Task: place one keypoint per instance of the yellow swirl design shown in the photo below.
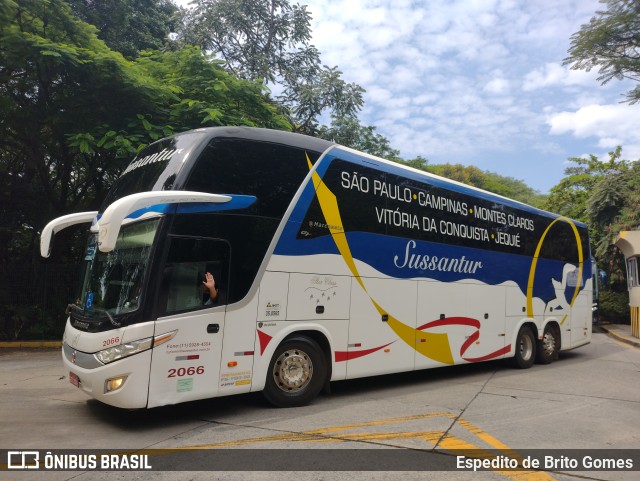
(534, 264)
(433, 346)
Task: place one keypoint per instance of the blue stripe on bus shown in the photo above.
(158, 208)
(497, 267)
(403, 258)
(236, 202)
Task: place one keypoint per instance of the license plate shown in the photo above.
(74, 379)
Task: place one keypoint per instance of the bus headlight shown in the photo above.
(134, 347)
(123, 350)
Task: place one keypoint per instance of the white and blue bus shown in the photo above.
(329, 264)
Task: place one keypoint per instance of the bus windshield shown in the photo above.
(112, 282)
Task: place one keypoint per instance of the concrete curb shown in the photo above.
(30, 344)
(620, 337)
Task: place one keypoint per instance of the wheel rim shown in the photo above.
(526, 347)
(293, 370)
(548, 343)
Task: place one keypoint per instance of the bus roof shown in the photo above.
(324, 146)
(268, 135)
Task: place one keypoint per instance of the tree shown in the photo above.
(56, 79)
(129, 26)
(257, 39)
(613, 206)
(419, 163)
(349, 132)
(611, 43)
(604, 196)
(571, 195)
(308, 94)
(629, 216)
(269, 41)
(492, 182)
(198, 92)
(73, 113)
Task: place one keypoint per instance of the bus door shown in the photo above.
(188, 366)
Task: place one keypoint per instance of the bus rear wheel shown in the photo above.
(525, 353)
(297, 373)
(547, 347)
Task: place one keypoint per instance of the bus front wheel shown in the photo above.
(525, 349)
(297, 372)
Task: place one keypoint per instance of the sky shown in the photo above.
(477, 82)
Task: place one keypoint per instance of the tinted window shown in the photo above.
(271, 172)
(248, 237)
(188, 261)
(371, 200)
(154, 168)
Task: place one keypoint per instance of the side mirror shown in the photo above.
(56, 225)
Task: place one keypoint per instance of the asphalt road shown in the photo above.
(589, 399)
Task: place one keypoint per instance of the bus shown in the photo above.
(329, 264)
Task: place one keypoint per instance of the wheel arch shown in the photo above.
(315, 332)
(554, 324)
(526, 322)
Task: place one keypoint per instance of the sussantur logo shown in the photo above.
(151, 159)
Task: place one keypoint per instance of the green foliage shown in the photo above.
(614, 206)
(614, 306)
(268, 41)
(203, 94)
(58, 83)
(304, 100)
(129, 26)
(349, 132)
(570, 196)
(73, 112)
(419, 163)
(258, 40)
(610, 42)
(604, 195)
(490, 181)
(629, 214)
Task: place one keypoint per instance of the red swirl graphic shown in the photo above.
(466, 321)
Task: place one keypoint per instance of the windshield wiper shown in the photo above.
(70, 307)
(111, 319)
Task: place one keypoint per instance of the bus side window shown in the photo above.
(188, 261)
(183, 290)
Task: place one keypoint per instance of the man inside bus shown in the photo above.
(210, 289)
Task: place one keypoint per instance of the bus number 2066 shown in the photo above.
(186, 371)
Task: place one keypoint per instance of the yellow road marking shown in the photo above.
(624, 344)
(455, 444)
(381, 422)
(441, 439)
(486, 437)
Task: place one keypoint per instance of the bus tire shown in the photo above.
(296, 374)
(525, 349)
(547, 347)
